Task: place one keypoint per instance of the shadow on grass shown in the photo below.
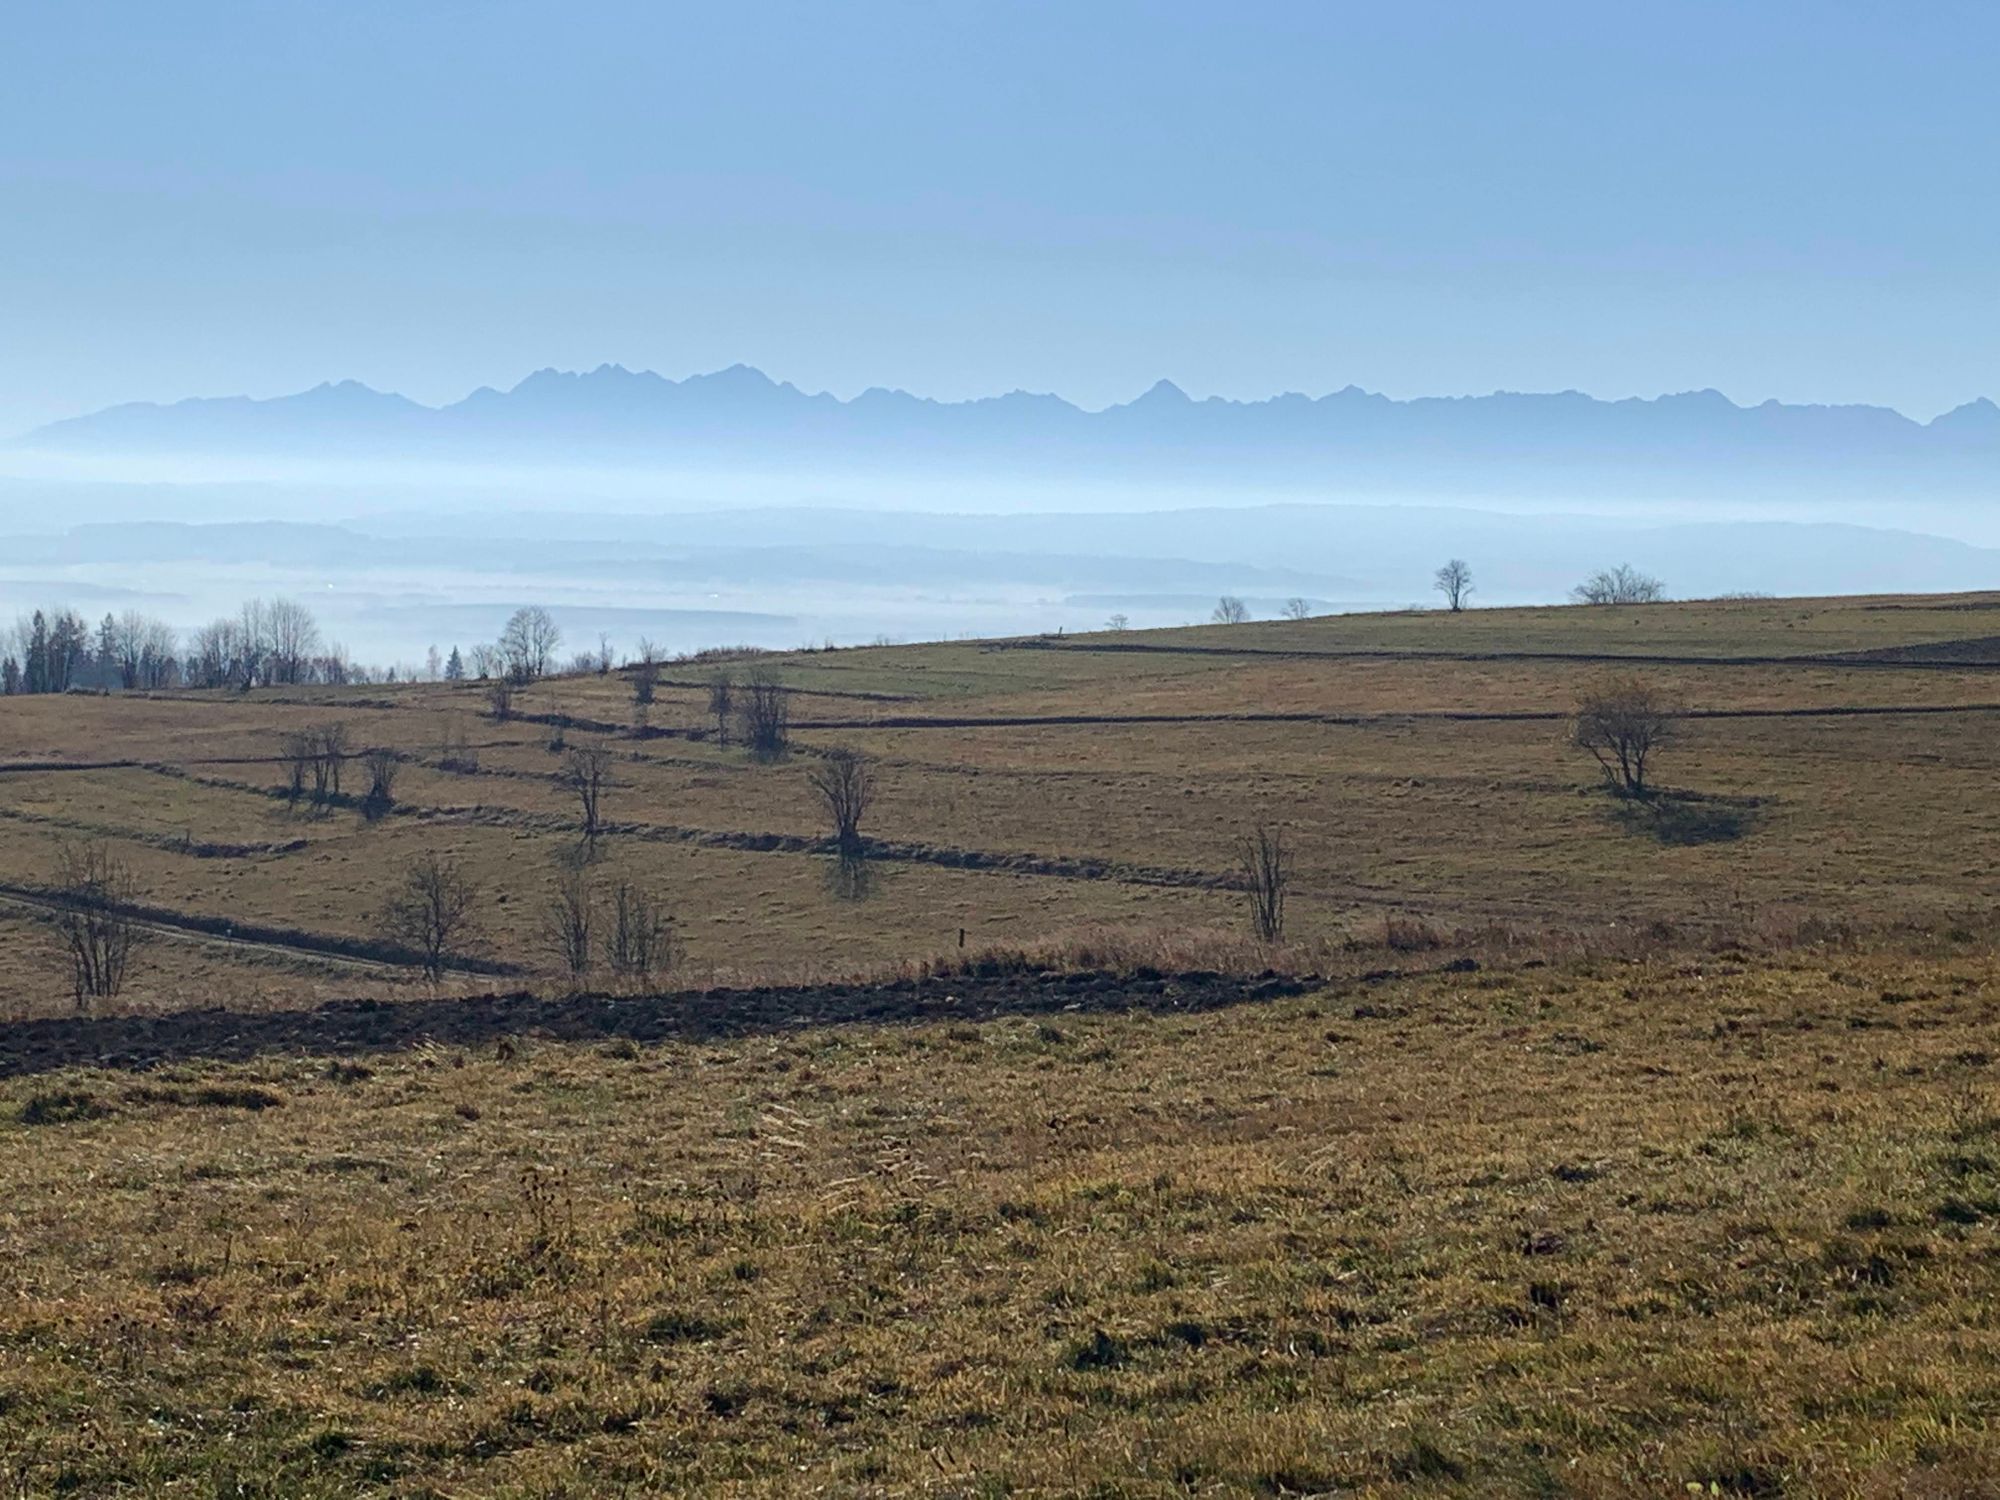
(1682, 819)
(359, 1027)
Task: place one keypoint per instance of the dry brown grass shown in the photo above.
(1397, 808)
(1591, 1230)
(1672, 1159)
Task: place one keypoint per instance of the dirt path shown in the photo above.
(291, 943)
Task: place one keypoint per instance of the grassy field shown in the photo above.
(1594, 1229)
(1605, 1149)
(1837, 769)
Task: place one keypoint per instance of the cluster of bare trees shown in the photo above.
(312, 760)
(267, 643)
(1623, 584)
(632, 935)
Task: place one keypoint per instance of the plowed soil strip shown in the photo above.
(351, 1027)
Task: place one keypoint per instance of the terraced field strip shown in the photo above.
(1982, 653)
(1363, 721)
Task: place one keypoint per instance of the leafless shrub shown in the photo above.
(333, 752)
(1623, 584)
(1298, 609)
(1410, 934)
(1267, 872)
(585, 771)
(568, 920)
(721, 704)
(431, 910)
(645, 682)
(1621, 723)
(93, 922)
(1454, 581)
(766, 716)
(297, 750)
(455, 752)
(1230, 610)
(500, 698)
(641, 940)
(382, 767)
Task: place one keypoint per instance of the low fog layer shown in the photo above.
(390, 584)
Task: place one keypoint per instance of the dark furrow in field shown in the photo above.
(1005, 862)
(351, 1027)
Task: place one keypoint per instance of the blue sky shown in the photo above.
(1776, 199)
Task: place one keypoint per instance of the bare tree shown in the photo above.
(1623, 584)
(1621, 723)
(500, 699)
(1230, 610)
(569, 919)
(333, 752)
(382, 767)
(767, 716)
(645, 682)
(721, 704)
(486, 661)
(431, 910)
(289, 638)
(585, 770)
(93, 921)
(1454, 581)
(641, 940)
(1267, 872)
(846, 787)
(1118, 622)
(528, 644)
(298, 749)
(455, 752)
(1298, 609)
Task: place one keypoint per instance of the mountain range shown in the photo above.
(1694, 445)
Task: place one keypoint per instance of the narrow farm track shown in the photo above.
(360, 1027)
(286, 941)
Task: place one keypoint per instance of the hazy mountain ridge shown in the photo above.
(1696, 441)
